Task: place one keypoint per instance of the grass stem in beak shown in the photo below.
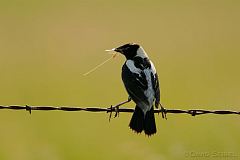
(101, 64)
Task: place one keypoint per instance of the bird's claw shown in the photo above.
(114, 109)
(164, 112)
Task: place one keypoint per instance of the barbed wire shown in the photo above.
(193, 112)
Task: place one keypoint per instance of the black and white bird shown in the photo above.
(141, 82)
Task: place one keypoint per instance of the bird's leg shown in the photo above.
(116, 107)
(163, 111)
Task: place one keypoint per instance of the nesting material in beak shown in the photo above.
(110, 51)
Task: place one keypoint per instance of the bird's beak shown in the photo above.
(110, 50)
(114, 50)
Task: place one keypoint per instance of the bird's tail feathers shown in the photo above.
(139, 122)
(149, 123)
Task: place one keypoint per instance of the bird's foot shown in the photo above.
(163, 111)
(114, 109)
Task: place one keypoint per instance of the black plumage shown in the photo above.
(141, 82)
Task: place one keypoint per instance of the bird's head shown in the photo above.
(130, 50)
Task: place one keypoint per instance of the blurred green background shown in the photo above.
(46, 46)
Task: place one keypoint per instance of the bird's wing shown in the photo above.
(155, 84)
(156, 89)
(135, 84)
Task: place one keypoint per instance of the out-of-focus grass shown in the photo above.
(46, 46)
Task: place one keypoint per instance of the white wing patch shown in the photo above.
(132, 68)
(150, 93)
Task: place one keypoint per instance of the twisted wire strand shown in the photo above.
(111, 109)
